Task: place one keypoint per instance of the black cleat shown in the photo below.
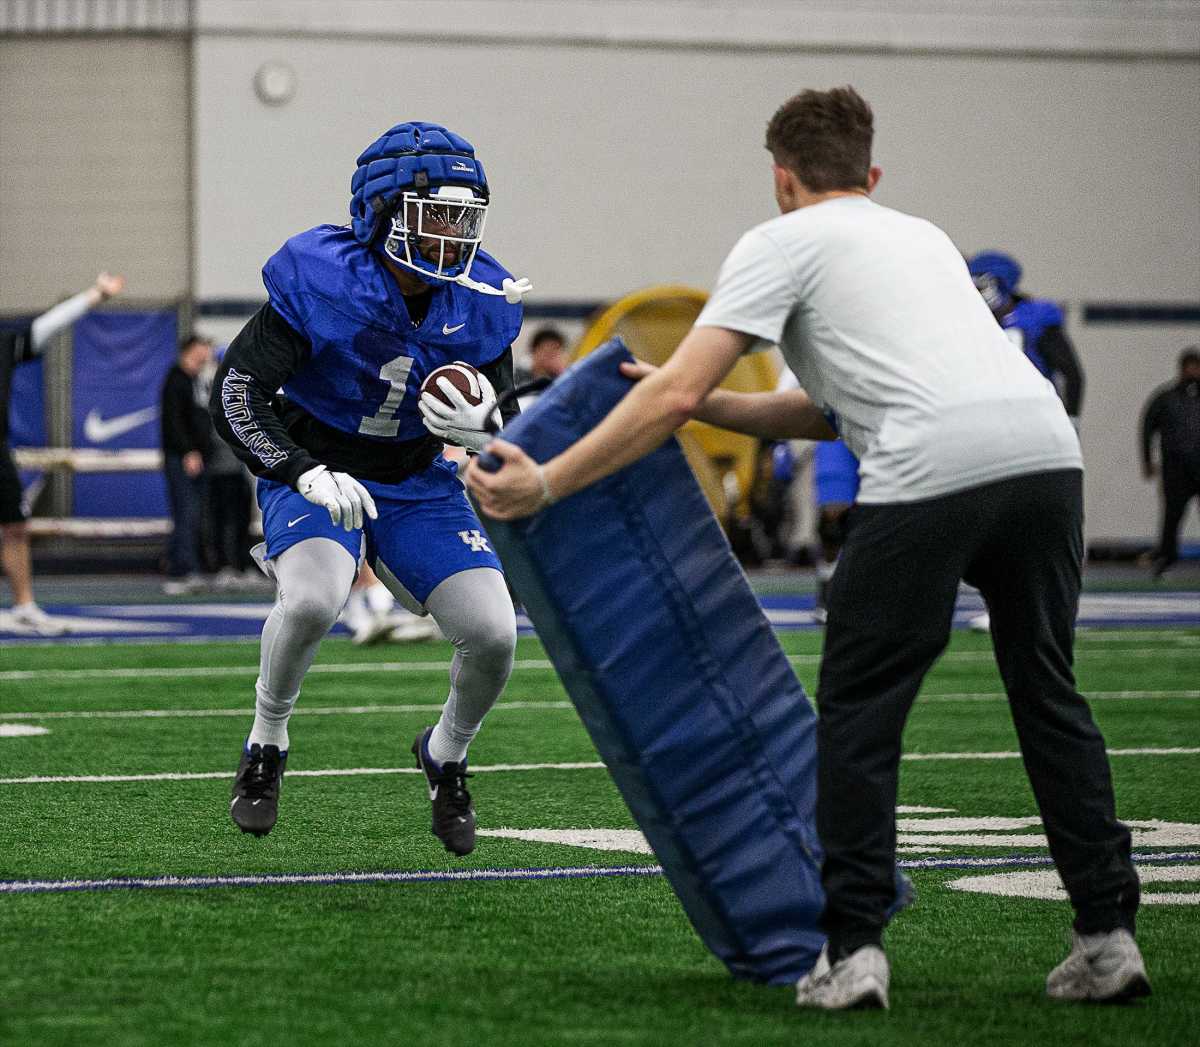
(255, 803)
(453, 813)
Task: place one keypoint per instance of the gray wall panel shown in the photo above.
(94, 158)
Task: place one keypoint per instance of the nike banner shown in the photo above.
(121, 362)
(27, 417)
(27, 412)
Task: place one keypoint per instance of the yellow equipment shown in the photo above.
(652, 323)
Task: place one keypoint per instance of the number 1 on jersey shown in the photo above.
(384, 422)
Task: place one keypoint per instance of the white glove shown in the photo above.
(344, 497)
(463, 424)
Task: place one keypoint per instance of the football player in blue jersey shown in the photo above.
(320, 396)
(1035, 326)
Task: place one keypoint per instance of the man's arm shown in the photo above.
(782, 415)
(1151, 423)
(1058, 352)
(785, 414)
(264, 355)
(178, 405)
(658, 405)
(66, 313)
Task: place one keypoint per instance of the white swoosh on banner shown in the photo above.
(99, 430)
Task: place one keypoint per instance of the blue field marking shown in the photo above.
(233, 621)
(143, 883)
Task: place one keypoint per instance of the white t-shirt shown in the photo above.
(877, 316)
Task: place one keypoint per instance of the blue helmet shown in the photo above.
(996, 275)
(421, 188)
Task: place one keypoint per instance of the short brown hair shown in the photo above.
(824, 138)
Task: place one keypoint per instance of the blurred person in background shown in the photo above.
(1036, 327)
(1033, 325)
(19, 345)
(1173, 415)
(835, 486)
(187, 437)
(225, 525)
(373, 616)
(834, 489)
(548, 356)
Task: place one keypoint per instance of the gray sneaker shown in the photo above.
(1103, 968)
(857, 981)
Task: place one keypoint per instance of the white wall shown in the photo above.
(617, 167)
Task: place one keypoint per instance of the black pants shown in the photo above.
(890, 607)
(186, 497)
(227, 520)
(1180, 484)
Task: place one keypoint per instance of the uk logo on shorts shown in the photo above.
(478, 542)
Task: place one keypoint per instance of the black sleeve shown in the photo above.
(500, 373)
(184, 427)
(16, 343)
(264, 355)
(1152, 418)
(1058, 352)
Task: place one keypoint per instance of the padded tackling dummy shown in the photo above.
(678, 678)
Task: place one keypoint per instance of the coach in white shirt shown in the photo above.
(970, 469)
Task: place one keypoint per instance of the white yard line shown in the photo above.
(589, 766)
(429, 707)
(300, 710)
(339, 772)
(1091, 696)
(538, 664)
(1175, 751)
(1169, 637)
(243, 670)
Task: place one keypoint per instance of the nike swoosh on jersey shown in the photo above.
(447, 329)
(292, 523)
(98, 430)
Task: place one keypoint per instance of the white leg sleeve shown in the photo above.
(314, 580)
(474, 611)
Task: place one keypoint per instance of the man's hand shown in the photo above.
(341, 494)
(518, 488)
(462, 424)
(637, 370)
(193, 464)
(108, 285)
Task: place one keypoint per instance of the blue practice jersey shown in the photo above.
(368, 360)
(1025, 324)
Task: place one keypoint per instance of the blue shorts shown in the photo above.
(426, 529)
(835, 474)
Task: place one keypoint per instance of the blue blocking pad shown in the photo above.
(679, 680)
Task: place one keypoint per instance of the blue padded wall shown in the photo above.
(679, 679)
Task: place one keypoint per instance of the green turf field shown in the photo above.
(595, 960)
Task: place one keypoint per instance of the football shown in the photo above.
(462, 376)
